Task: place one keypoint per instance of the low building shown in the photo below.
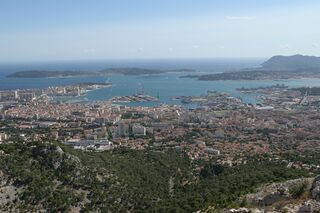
(211, 151)
(219, 134)
(138, 130)
(94, 145)
(160, 126)
(3, 137)
(46, 124)
(264, 107)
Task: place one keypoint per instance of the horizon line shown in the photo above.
(130, 59)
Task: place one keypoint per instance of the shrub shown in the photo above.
(298, 189)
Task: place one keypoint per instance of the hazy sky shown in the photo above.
(32, 30)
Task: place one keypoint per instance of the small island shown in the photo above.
(49, 74)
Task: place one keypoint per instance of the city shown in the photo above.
(160, 106)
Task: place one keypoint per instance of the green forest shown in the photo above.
(55, 177)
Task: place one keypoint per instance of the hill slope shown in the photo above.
(277, 67)
(56, 178)
(295, 62)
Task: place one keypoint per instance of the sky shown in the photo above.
(44, 30)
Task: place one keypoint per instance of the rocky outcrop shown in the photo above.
(274, 193)
(248, 210)
(8, 192)
(315, 191)
(310, 206)
(241, 210)
(276, 197)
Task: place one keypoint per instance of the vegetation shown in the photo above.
(55, 177)
(117, 71)
(295, 62)
(310, 157)
(48, 74)
(277, 67)
(297, 190)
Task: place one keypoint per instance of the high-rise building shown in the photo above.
(123, 129)
(16, 94)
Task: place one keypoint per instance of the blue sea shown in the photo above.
(165, 86)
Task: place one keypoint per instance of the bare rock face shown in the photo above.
(241, 210)
(59, 150)
(315, 191)
(273, 193)
(310, 206)
(8, 192)
(246, 210)
(291, 208)
(268, 198)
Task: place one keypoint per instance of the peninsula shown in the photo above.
(277, 67)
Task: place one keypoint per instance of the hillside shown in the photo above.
(299, 195)
(295, 62)
(277, 67)
(54, 177)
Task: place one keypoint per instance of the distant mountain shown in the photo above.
(277, 67)
(295, 62)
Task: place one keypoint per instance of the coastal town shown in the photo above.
(160, 106)
(221, 127)
(218, 149)
(8, 97)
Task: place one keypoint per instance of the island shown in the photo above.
(277, 67)
(49, 74)
(105, 72)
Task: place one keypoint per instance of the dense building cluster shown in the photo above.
(286, 120)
